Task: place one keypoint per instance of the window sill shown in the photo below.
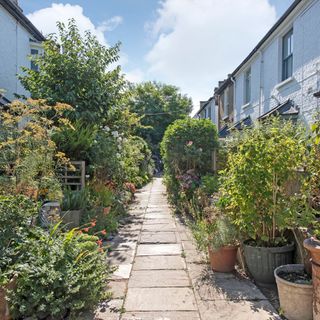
(283, 83)
(225, 118)
(246, 106)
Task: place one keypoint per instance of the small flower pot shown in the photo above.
(295, 298)
(262, 261)
(223, 259)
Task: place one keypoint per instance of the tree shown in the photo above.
(160, 104)
(78, 71)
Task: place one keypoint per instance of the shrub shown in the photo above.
(58, 274)
(74, 199)
(186, 150)
(261, 162)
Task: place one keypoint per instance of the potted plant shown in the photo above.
(215, 233)
(72, 206)
(260, 162)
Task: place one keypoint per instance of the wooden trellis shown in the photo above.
(74, 179)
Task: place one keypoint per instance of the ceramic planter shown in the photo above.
(72, 218)
(262, 261)
(223, 259)
(313, 246)
(295, 299)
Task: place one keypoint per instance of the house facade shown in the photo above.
(208, 110)
(19, 39)
(282, 73)
(279, 76)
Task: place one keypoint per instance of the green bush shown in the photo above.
(186, 149)
(58, 274)
(74, 199)
(261, 162)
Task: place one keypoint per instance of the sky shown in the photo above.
(191, 44)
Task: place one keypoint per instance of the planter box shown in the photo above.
(72, 218)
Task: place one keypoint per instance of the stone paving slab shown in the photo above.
(158, 237)
(156, 215)
(159, 263)
(159, 227)
(160, 299)
(109, 310)
(237, 310)
(194, 256)
(118, 288)
(159, 249)
(189, 245)
(158, 278)
(123, 272)
(120, 257)
(182, 315)
(167, 220)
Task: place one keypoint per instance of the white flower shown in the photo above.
(118, 155)
(115, 134)
(119, 139)
(106, 128)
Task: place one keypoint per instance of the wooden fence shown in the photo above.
(74, 179)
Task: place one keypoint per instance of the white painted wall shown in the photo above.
(205, 113)
(14, 51)
(266, 68)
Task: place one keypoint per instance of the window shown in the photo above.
(287, 55)
(33, 66)
(247, 86)
(209, 112)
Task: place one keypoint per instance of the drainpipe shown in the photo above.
(234, 96)
(261, 83)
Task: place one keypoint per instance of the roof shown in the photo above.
(4, 101)
(225, 131)
(204, 105)
(17, 13)
(285, 109)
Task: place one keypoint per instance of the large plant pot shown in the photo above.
(262, 261)
(4, 307)
(313, 246)
(295, 299)
(72, 218)
(223, 259)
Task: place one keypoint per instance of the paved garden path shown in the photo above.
(161, 276)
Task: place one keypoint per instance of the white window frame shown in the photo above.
(287, 57)
(247, 86)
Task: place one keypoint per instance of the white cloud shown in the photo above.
(135, 75)
(46, 19)
(199, 42)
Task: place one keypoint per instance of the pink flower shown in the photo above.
(189, 143)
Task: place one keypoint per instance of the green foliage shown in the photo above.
(138, 164)
(74, 199)
(76, 141)
(160, 105)
(76, 70)
(58, 273)
(29, 157)
(186, 149)
(261, 163)
(209, 184)
(215, 230)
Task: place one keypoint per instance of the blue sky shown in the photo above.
(189, 43)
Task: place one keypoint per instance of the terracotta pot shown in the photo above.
(223, 259)
(4, 307)
(295, 299)
(313, 246)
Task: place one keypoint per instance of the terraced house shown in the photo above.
(280, 75)
(19, 39)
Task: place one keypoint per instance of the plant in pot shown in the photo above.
(260, 162)
(73, 203)
(216, 234)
